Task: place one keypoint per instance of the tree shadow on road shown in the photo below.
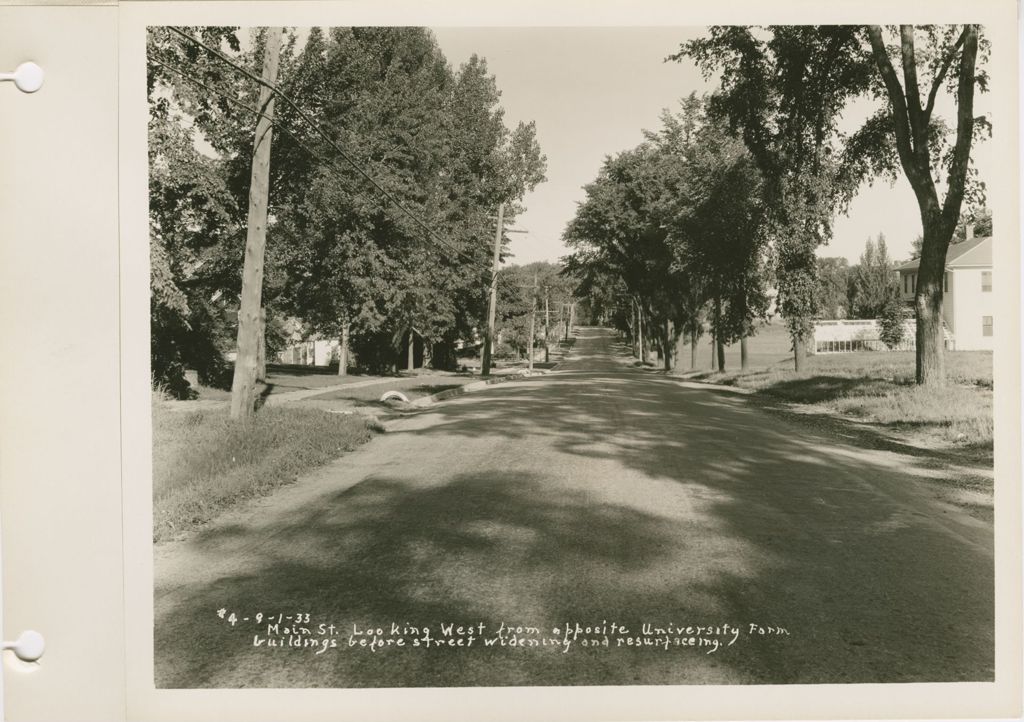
(496, 549)
(680, 506)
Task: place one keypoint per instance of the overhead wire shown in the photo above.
(315, 126)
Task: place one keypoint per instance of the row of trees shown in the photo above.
(671, 235)
(782, 170)
(341, 255)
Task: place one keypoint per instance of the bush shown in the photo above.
(891, 321)
(178, 343)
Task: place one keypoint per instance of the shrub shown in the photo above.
(891, 321)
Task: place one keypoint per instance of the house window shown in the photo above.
(913, 283)
(986, 325)
(986, 281)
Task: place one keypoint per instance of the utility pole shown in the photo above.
(533, 321)
(547, 322)
(243, 385)
(261, 347)
(489, 337)
(565, 318)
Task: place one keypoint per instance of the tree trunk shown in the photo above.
(640, 325)
(911, 122)
(719, 346)
(343, 350)
(744, 364)
(410, 363)
(668, 347)
(798, 353)
(693, 348)
(636, 330)
(261, 347)
(929, 338)
(243, 385)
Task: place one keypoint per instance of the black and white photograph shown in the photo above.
(526, 356)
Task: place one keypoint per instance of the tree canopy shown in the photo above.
(408, 249)
(676, 224)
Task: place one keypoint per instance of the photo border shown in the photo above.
(868, 701)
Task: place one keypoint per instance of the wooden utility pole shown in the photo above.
(489, 337)
(261, 347)
(547, 323)
(533, 322)
(243, 386)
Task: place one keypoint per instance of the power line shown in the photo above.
(303, 146)
(330, 141)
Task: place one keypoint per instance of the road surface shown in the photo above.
(598, 495)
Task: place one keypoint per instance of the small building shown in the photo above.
(967, 304)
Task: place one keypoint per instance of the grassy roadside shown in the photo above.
(877, 389)
(203, 463)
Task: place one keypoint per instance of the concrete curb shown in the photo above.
(310, 393)
(303, 394)
(713, 387)
(427, 401)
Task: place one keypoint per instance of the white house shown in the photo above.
(967, 304)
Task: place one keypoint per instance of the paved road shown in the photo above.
(599, 494)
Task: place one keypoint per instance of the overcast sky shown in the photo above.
(593, 90)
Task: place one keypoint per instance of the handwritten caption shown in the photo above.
(302, 631)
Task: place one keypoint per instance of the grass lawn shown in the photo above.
(282, 378)
(203, 463)
(769, 347)
(876, 388)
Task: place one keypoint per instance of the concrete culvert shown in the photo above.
(394, 396)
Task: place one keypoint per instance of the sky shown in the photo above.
(592, 91)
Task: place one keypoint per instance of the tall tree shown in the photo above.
(437, 142)
(873, 281)
(833, 283)
(719, 233)
(783, 88)
(947, 58)
(194, 213)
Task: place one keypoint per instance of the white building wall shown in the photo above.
(322, 350)
(949, 302)
(972, 305)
